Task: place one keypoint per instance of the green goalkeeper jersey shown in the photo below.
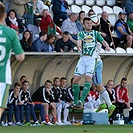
(89, 41)
(8, 41)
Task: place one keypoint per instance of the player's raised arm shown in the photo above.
(106, 45)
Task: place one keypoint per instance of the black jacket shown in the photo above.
(12, 100)
(56, 94)
(65, 46)
(41, 95)
(25, 46)
(104, 27)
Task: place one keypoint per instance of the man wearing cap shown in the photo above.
(122, 29)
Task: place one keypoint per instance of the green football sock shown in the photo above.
(76, 90)
(85, 91)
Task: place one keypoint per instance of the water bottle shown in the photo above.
(122, 118)
(73, 120)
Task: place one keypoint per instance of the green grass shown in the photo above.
(70, 129)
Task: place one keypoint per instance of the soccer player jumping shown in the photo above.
(87, 42)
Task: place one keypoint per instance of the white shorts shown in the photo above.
(4, 93)
(86, 65)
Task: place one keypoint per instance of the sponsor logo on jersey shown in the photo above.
(88, 39)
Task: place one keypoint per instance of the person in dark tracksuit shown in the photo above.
(25, 103)
(13, 105)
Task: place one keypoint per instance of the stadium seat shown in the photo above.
(97, 9)
(107, 9)
(70, 2)
(100, 2)
(110, 2)
(111, 51)
(34, 31)
(129, 50)
(120, 50)
(90, 2)
(112, 18)
(99, 15)
(79, 2)
(75, 8)
(50, 8)
(102, 50)
(117, 9)
(85, 8)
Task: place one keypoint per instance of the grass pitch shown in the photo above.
(70, 129)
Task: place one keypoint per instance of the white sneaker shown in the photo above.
(57, 123)
(36, 124)
(43, 123)
(3, 124)
(19, 124)
(60, 123)
(12, 124)
(67, 123)
(49, 123)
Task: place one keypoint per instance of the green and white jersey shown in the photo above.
(89, 42)
(8, 42)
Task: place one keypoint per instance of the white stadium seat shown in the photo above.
(111, 2)
(34, 31)
(129, 50)
(111, 51)
(120, 50)
(75, 8)
(85, 8)
(100, 2)
(50, 8)
(79, 2)
(90, 2)
(99, 15)
(107, 9)
(116, 10)
(70, 2)
(112, 18)
(97, 9)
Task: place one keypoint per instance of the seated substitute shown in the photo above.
(26, 103)
(43, 97)
(13, 105)
(92, 100)
(121, 94)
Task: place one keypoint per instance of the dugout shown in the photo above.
(38, 67)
